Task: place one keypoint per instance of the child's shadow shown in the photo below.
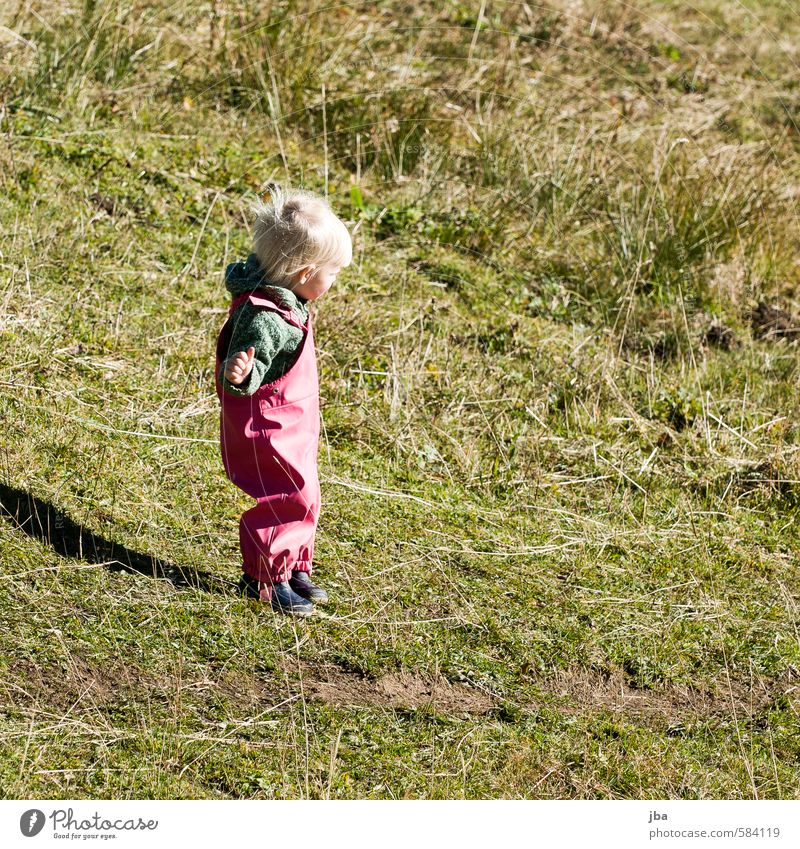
(41, 520)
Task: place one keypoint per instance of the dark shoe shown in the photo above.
(301, 584)
(282, 598)
(248, 587)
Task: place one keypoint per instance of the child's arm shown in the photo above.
(258, 335)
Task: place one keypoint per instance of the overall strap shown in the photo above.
(236, 302)
(259, 300)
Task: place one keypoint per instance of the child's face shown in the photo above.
(313, 282)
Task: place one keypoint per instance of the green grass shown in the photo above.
(550, 488)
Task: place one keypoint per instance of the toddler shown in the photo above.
(266, 380)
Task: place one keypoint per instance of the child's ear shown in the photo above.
(303, 274)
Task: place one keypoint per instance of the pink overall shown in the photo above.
(269, 444)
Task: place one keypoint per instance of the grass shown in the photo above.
(559, 454)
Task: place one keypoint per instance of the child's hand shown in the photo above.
(240, 366)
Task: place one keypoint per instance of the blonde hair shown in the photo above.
(298, 228)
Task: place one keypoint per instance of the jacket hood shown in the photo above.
(246, 276)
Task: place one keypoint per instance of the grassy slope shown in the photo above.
(549, 485)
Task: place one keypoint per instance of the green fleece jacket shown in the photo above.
(276, 342)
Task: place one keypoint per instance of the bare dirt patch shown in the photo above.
(674, 704)
(80, 684)
(333, 685)
(86, 684)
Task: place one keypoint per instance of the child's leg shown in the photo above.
(307, 564)
(301, 581)
(276, 537)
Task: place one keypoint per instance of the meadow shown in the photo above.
(560, 452)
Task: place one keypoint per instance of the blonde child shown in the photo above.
(266, 380)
